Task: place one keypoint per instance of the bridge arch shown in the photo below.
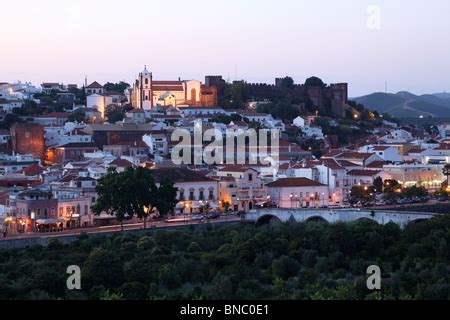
(415, 221)
(268, 219)
(316, 219)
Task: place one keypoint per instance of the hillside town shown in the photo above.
(57, 140)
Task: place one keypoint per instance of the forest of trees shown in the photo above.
(284, 261)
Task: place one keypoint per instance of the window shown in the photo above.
(191, 195)
(211, 194)
(181, 198)
(201, 195)
(250, 177)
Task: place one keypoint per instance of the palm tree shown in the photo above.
(226, 206)
(206, 209)
(446, 171)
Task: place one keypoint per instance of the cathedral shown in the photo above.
(148, 94)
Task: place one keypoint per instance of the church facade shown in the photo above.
(148, 94)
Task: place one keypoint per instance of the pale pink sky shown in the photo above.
(62, 41)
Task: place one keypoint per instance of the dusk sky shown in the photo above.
(405, 45)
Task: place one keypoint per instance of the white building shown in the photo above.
(387, 153)
(411, 174)
(365, 178)
(398, 135)
(99, 102)
(157, 142)
(195, 190)
(444, 130)
(94, 87)
(298, 193)
(241, 187)
(439, 155)
(8, 105)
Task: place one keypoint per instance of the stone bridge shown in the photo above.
(262, 216)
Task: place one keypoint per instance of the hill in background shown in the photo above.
(404, 104)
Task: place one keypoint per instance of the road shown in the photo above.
(113, 228)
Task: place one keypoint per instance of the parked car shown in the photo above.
(213, 215)
(404, 201)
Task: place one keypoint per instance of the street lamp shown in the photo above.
(33, 218)
(186, 207)
(146, 213)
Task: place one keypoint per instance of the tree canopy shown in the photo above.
(312, 260)
(314, 82)
(133, 192)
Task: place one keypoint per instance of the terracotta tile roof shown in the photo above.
(332, 164)
(68, 178)
(365, 173)
(240, 123)
(121, 163)
(167, 88)
(380, 148)
(295, 182)
(416, 150)
(167, 82)
(346, 163)
(33, 170)
(356, 155)
(94, 85)
(376, 164)
(443, 146)
(235, 168)
(332, 153)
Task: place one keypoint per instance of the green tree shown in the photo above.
(145, 192)
(117, 87)
(359, 194)
(378, 184)
(206, 208)
(314, 82)
(114, 113)
(167, 197)
(226, 206)
(9, 120)
(113, 196)
(446, 171)
(77, 116)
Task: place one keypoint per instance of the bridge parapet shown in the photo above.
(337, 215)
